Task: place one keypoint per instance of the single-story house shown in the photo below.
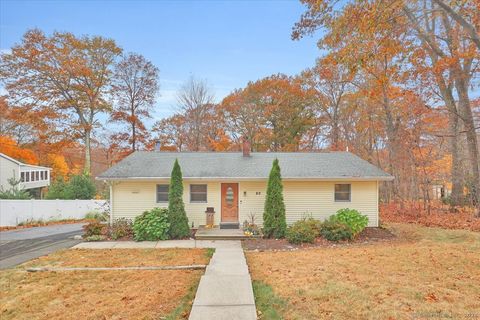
(234, 184)
(31, 177)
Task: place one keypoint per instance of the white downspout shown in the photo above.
(111, 202)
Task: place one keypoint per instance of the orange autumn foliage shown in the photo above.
(439, 216)
(9, 147)
(59, 166)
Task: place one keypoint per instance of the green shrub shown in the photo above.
(151, 225)
(315, 225)
(95, 215)
(120, 228)
(334, 230)
(56, 190)
(94, 229)
(353, 219)
(176, 208)
(274, 221)
(15, 191)
(302, 231)
(79, 187)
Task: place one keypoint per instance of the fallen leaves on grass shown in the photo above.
(102, 294)
(439, 216)
(93, 295)
(437, 270)
(122, 258)
(431, 297)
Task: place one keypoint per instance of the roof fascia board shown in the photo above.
(34, 166)
(386, 178)
(10, 158)
(21, 163)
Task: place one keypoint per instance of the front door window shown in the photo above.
(229, 196)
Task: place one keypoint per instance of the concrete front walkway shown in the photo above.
(225, 291)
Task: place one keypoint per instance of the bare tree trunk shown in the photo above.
(134, 129)
(455, 142)
(391, 143)
(88, 161)
(472, 144)
(456, 172)
(469, 28)
(134, 137)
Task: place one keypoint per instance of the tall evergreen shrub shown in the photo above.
(78, 187)
(274, 220)
(176, 208)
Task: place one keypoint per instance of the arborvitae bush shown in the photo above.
(176, 208)
(274, 221)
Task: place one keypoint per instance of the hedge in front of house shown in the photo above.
(303, 231)
(353, 219)
(151, 225)
(334, 230)
(346, 224)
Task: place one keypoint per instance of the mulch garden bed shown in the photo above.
(369, 235)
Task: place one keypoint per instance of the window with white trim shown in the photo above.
(343, 192)
(162, 192)
(198, 193)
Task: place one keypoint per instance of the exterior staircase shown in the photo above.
(229, 225)
(217, 233)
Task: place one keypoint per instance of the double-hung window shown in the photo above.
(343, 192)
(198, 193)
(162, 192)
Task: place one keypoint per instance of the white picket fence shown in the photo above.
(12, 212)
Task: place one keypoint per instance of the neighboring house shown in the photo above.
(31, 177)
(315, 184)
(440, 191)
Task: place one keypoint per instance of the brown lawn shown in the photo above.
(102, 294)
(428, 273)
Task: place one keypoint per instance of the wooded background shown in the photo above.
(396, 84)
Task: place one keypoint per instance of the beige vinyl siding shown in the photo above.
(302, 198)
(251, 203)
(132, 198)
(317, 199)
(310, 198)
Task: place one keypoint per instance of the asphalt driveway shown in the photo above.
(18, 246)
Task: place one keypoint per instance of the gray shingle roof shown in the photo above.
(209, 165)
